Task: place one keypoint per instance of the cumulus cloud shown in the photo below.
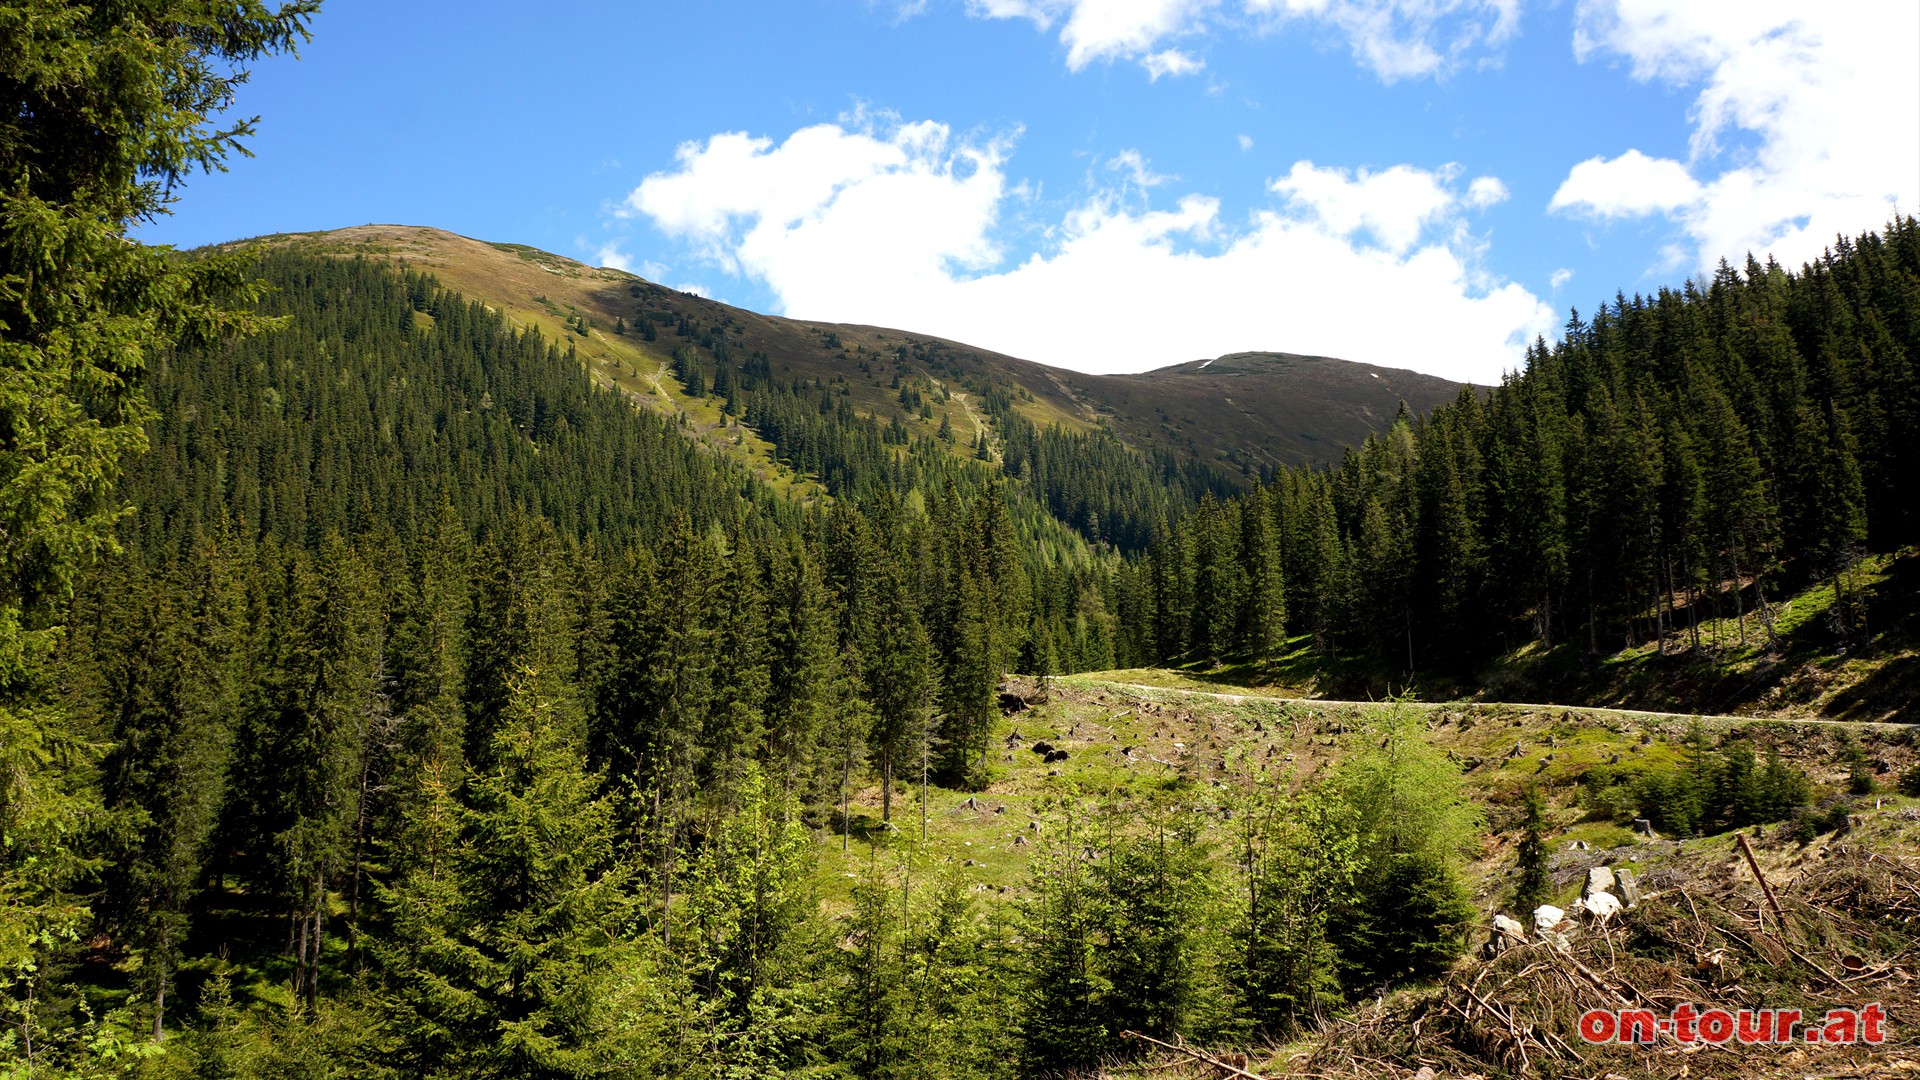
(1631, 185)
(897, 226)
(1392, 207)
(1246, 141)
(1396, 39)
(1806, 123)
(912, 199)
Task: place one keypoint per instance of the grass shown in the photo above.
(1195, 746)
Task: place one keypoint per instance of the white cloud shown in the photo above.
(1806, 123)
(1170, 62)
(1041, 12)
(827, 184)
(1486, 191)
(610, 255)
(897, 227)
(1631, 185)
(1111, 29)
(1393, 206)
(1106, 29)
(1560, 278)
(1246, 141)
(1404, 39)
(1137, 170)
(1396, 39)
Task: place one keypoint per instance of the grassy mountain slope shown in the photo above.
(1240, 412)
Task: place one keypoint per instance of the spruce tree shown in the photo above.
(509, 953)
(1532, 889)
(87, 157)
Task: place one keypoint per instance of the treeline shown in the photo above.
(1674, 460)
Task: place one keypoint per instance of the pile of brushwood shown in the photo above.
(1831, 926)
(1843, 932)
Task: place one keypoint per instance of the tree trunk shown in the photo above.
(1693, 604)
(1739, 602)
(1666, 613)
(160, 985)
(359, 849)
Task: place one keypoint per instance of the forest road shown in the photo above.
(1529, 706)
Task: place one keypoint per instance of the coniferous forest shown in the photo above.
(379, 696)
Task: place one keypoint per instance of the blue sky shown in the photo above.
(1105, 184)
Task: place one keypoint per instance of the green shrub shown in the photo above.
(1710, 791)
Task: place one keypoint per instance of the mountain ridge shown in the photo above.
(1240, 414)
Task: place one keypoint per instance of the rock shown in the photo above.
(1546, 917)
(1053, 772)
(1629, 886)
(1603, 905)
(1019, 841)
(1425, 1073)
(1508, 928)
(1599, 880)
(1042, 747)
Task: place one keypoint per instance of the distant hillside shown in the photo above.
(1239, 413)
(1259, 407)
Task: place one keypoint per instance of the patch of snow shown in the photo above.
(1203, 364)
(1371, 373)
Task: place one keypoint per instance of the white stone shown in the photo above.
(1599, 879)
(1603, 905)
(1506, 927)
(1546, 917)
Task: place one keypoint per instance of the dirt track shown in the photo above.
(1524, 706)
